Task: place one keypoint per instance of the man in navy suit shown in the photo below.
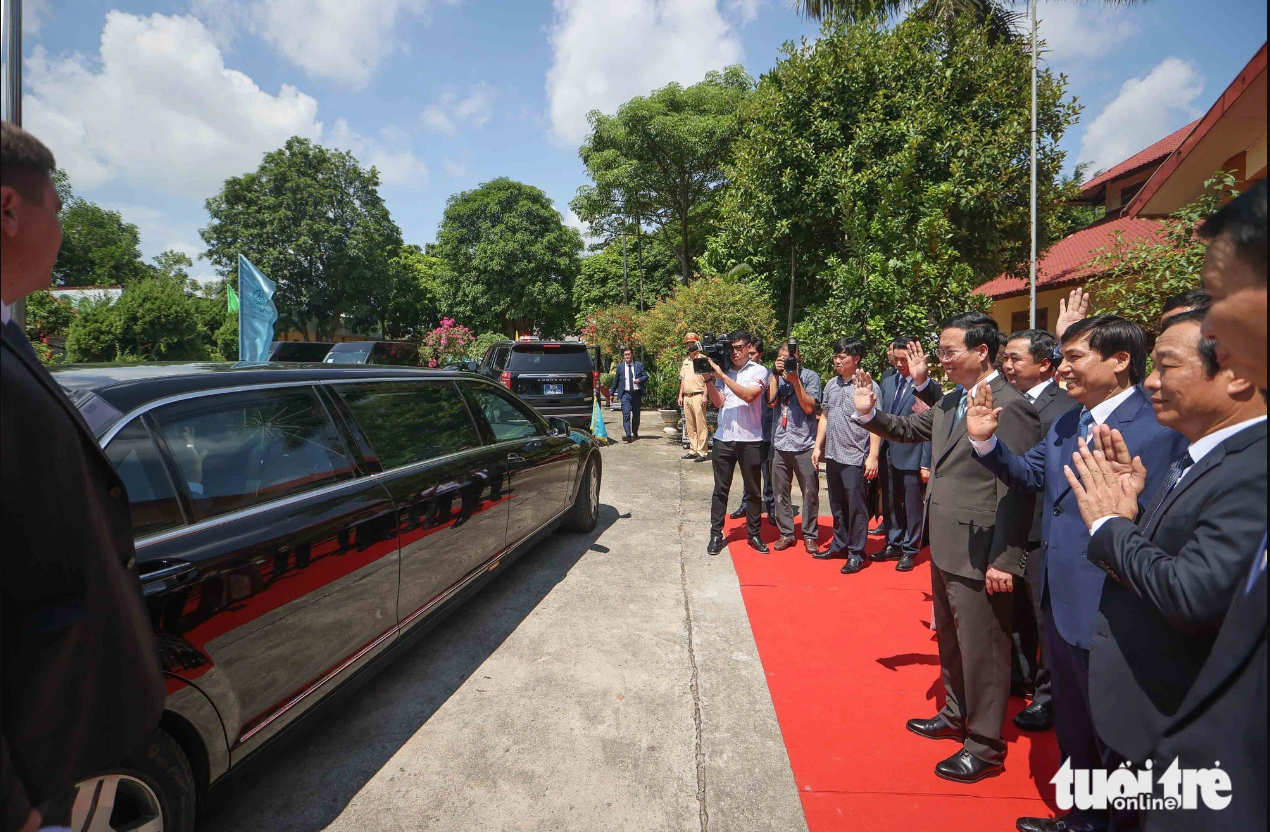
(1104, 361)
(629, 386)
(903, 505)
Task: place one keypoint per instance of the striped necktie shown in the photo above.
(1170, 480)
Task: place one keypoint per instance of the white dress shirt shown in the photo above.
(1101, 413)
(1035, 392)
(739, 420)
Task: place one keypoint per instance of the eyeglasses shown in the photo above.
(740, 347)
(948, 355)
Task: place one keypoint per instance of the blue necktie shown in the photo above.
(900, 388)
(1258, 566)
(1086, 424)
(1170, 480)
(961, 407)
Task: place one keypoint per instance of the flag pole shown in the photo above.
(1032, 258)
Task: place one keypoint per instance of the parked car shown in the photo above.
(301, 352)
(400, 353)
(559, 378)
(294, 525)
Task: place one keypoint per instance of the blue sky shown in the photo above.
(151, 105)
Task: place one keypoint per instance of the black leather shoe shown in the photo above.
(827, 554)
(964, 767)
(1035, 718)
(688, 456)
(758, 544)
(783, 544)
(889, 553)
(812, 548)
(738, 514)
(715, 546)
(935, 728)
(906, 564)
(853, 565)
(1052, 825)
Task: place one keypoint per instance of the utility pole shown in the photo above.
(11, 22)
(626, 283)
(789, 326)
(1032, 259)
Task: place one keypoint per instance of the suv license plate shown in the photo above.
(553, 389)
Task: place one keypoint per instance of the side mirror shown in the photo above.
(559, 427)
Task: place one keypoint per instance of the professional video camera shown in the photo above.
(716, 347)
(791, 360)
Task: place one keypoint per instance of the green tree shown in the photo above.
(1001, 18)
(312, 220)
(894, 163)
(47, 317)
(98, 247)
(173, 265)
(708, 305)
(601, 281)
(404, 307)
(659, 161)
(509, 260)
(153, 320)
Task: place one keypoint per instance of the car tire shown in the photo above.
(586, 505)
(155, 780)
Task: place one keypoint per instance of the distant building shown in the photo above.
(93, 293)
(1141, 190)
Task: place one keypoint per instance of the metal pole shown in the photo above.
(626, 283)
(11, 21)
(1032, 259)
(789, 324)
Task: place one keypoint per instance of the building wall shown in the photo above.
(1004, 311)
(1117, 188)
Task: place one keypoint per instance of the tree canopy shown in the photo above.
(600, 281)
(98, 247)
(715, 305)
(509, 261)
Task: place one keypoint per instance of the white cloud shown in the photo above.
(452, 112)
(34, 13)
(457, 168)
(606, 51)
(162, 111)
(1145, 111)
(574, 221)
(1073, 31)
(398, 168)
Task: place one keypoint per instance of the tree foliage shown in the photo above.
(405, 304)
(312, 220)
(98, 247)
(509, 261)
(1137, 276)
(895, 164)
(707, 305)
(659, 161)
(652, 272)
(612, 328)
(153, 320)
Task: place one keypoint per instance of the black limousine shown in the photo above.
(294, 523)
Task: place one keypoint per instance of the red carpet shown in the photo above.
(850, 658)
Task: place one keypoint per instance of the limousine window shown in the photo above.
(507, 418)
(240, 449)
(151, 497)
(409, 422)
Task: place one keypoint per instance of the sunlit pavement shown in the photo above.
(604, 682)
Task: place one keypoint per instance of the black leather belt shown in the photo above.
(698, 393)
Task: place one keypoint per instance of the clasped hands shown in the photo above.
(1107, 480)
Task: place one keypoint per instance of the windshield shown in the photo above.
(346, 357)
(551, 358)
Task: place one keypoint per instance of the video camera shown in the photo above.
(716, 347)
(791, 360)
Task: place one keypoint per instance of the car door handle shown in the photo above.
(516, 458)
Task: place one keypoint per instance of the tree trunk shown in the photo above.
(683, 251)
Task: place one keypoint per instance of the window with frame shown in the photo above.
(151, 497)
(238, 450)
(507, 418)
(410, 421)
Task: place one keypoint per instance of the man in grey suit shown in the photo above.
(1030, 361)
(979, 533)
(902, 465)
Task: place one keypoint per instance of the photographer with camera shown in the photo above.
(793, 394)
(756, 355)
(738, 394)
(692, 400)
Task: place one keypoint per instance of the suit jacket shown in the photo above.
(1223, 717)
(905, 457)
(620, 385)
(1172, 583)
(81, 686)
(1075, 585)
(1052, 403)
(974, 521)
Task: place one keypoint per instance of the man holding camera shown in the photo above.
(738, 394)
(692, 400)
(793, 394)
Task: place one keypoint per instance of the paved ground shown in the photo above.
(604, 682)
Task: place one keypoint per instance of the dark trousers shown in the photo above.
(904, 508)
(787, 465)
(1074, 721)
(765, 448)
(849, 506)
(725, 458)
(1030, 663)
(630, 412)
(973, 630)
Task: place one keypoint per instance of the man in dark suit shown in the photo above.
(902, 465)
(1104, 359)
(1221, 721)
(978, 537)
(629, 387)
(81, 687)
(1029, 363)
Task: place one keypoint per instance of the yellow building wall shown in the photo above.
(1003, 311)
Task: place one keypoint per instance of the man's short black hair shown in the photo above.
(26, 165)
(1042, 345)
(742, 335)
(901, 343)
(1207, 346)
(849, 346)
(627, 348)
(1110, 334)
(981, 329)
(757, 343)
(1194, 299)
(1244, 220)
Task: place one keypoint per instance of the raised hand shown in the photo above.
(1075, 308)
(1129, 470)
(981, 416)
(918, 368)
(865, 400)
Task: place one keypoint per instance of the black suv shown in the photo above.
(294, 524)
(559, 378)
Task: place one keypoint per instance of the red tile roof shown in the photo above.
(1155, 153)
(1068, 260)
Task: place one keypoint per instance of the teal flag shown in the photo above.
(256, 313)
(597, 423)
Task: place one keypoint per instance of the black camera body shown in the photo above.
(717, 348)
(791, 360)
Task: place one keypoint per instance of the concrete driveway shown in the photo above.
(604, 682)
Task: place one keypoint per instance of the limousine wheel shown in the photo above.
(152, 791)
(586, 506)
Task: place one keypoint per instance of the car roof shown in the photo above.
(129, 386)
(362, 346)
